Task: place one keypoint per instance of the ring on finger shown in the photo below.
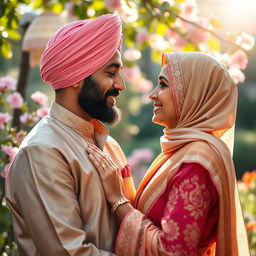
(103, 166)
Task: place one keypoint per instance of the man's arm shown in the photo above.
(44, 191)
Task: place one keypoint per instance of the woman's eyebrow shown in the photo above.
(163, 78)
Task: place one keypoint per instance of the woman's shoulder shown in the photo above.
(193, 173)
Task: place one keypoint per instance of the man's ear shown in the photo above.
(78, 84)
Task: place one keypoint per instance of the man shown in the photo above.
(54, 192)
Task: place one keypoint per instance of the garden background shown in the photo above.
(225, 29)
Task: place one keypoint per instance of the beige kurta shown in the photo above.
(55, 193)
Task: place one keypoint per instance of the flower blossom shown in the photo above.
(246, 41)
(129, 13)
(4, 118)
(142, 35)
(239, 60)
(158, 43)
(43, 111)
(140, 155)
(237, 75)
(5, 171)
(131, 73)
(28, 119)
(10, 151)
(15, 100)
(113, 4)
(197, 35)
(132, 54)
(7, 83)
(142, 85)
(189, 8)
(176, 40)
(249, 177)
(40, 98)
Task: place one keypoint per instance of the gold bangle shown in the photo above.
(118, 203)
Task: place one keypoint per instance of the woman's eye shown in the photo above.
(162, 84)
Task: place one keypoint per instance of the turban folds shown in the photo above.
(79, 49)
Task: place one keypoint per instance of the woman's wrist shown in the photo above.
(122, 210)
(118, 203)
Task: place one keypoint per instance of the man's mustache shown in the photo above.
(112, 92)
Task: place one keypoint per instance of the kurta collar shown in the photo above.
(93, 130)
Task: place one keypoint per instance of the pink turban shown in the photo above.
(79, 49)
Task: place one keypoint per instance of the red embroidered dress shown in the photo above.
(184, 217)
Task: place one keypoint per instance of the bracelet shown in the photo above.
(118, 203)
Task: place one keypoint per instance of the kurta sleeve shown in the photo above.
(47, 198)
(191, 197)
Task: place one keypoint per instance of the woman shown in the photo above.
(187, 203)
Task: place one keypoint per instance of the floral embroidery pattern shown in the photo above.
(195, 196)
(191, 235)
(126, 235)
(170, 229)
(172, 199)
(179, 90)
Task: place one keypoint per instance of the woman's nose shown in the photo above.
(152, 95)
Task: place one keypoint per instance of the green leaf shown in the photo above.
(98, 5)
(164, 7)
(6, 49)
(13, 34)
(214, 44)
(215, 22)
(189, 48)
(37, 4)
(2, 9)
(161, 29)
(57, 8)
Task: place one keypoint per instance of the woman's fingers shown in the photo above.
(101, 158)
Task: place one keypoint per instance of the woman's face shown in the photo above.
(164, 109)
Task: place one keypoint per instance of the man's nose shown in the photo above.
(120, 84)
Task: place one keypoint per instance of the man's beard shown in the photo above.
(93, 102)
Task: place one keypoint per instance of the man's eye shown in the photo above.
(112, 74)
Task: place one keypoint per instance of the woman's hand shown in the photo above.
(109, 172)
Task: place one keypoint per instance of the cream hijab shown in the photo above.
(205, 99)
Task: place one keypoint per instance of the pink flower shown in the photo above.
(129, 13)
(70, 7)
(237, 75)
(132, 73)
(176, 40)
(4, 118)
(20, 136)
(5, 171)
(28, 119)
(140, 156)
(246, 41)
(158, 43)
(189, 8)
(10, 151)
(132, 54)
(15, 100)
(142, 85)
(197, 35)
(43, 111)
(40, 98)
(7, 83)
(142, 35)
(239, 60)
(113, 4)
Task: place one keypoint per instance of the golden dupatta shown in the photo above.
(205, 101)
